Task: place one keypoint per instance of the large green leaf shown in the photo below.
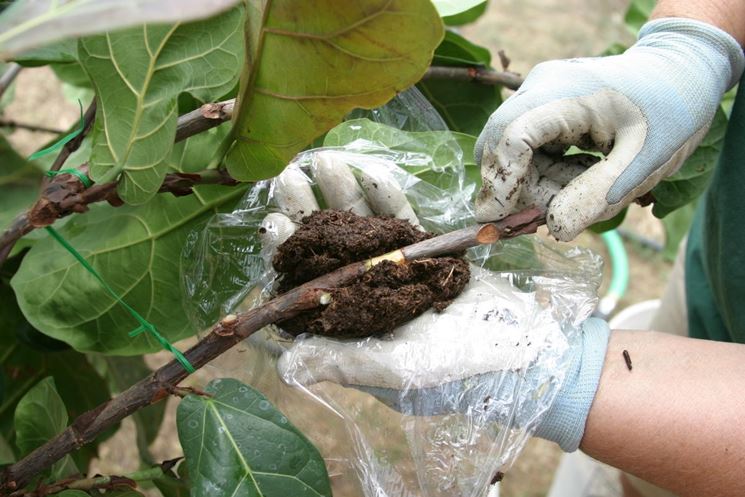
(453, 7)
(454, 50)
(138, 75)
(310, 63)
(237, 443)
(464, 105)
(26, 357)
(7, 456)
(61, 52)
(29, 24)
(19, 183)
(691, 180)
(41, 415)
(467, 16)
(136, 249)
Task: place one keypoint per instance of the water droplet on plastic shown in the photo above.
(193, 423)
(264, 405)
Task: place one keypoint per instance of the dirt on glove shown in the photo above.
(383, 298)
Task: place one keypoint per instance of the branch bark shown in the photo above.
(10, 123)
(232, 330)
(507, 79)
(9, 76)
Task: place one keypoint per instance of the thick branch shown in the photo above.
(231, 331)
(10, 123)
(507, 79)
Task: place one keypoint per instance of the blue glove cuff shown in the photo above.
(719, 49)
(565, 421)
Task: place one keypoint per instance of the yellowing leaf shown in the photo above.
(309, 63)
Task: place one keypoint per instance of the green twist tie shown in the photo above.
(80, 174)
(56, 146)
(145, 325)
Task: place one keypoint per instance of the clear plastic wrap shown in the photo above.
(457, 408)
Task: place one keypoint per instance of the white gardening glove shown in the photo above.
(646, 109)
(376, 193)
(494, 352)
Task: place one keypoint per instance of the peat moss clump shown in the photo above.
(380, 300)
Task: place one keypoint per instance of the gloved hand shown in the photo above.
(493, 352)
(376, 193)
(646, 109)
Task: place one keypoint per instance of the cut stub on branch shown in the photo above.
(393, 291)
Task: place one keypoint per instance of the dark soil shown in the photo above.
(380, 300)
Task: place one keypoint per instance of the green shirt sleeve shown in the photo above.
(715, 255)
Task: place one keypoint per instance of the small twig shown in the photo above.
(10, 123)
(101, 482)
(507, 79)
(222, 337)
(206, 117)
(74, 144)
(8, 77)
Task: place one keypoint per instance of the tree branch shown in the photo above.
(234, 329)
(10, 123)
(101, 482)
(74, 144)
(8, 77)
(507, 79)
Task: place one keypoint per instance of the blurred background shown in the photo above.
(528, 31)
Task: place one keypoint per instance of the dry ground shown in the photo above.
(529, 31)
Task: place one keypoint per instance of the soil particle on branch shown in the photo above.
(385, 297)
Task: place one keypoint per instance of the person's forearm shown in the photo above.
(728, 15)
(677, 419)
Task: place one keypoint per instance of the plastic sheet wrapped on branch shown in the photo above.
(460, 387)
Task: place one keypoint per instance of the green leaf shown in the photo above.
(6, 452)
(136, 250)
(237, 443)
(41, 415)
(65, 51)
(310, 63)
(138, 75)
(638, 13)
(170, 486)
(467, 16)
(74, 493)
(454, 50)
(19, 183)
(23, 363)
(29, 24)
(609, 224)
(691, 180)
(453, 7)
(677, 224)
(464, 105)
